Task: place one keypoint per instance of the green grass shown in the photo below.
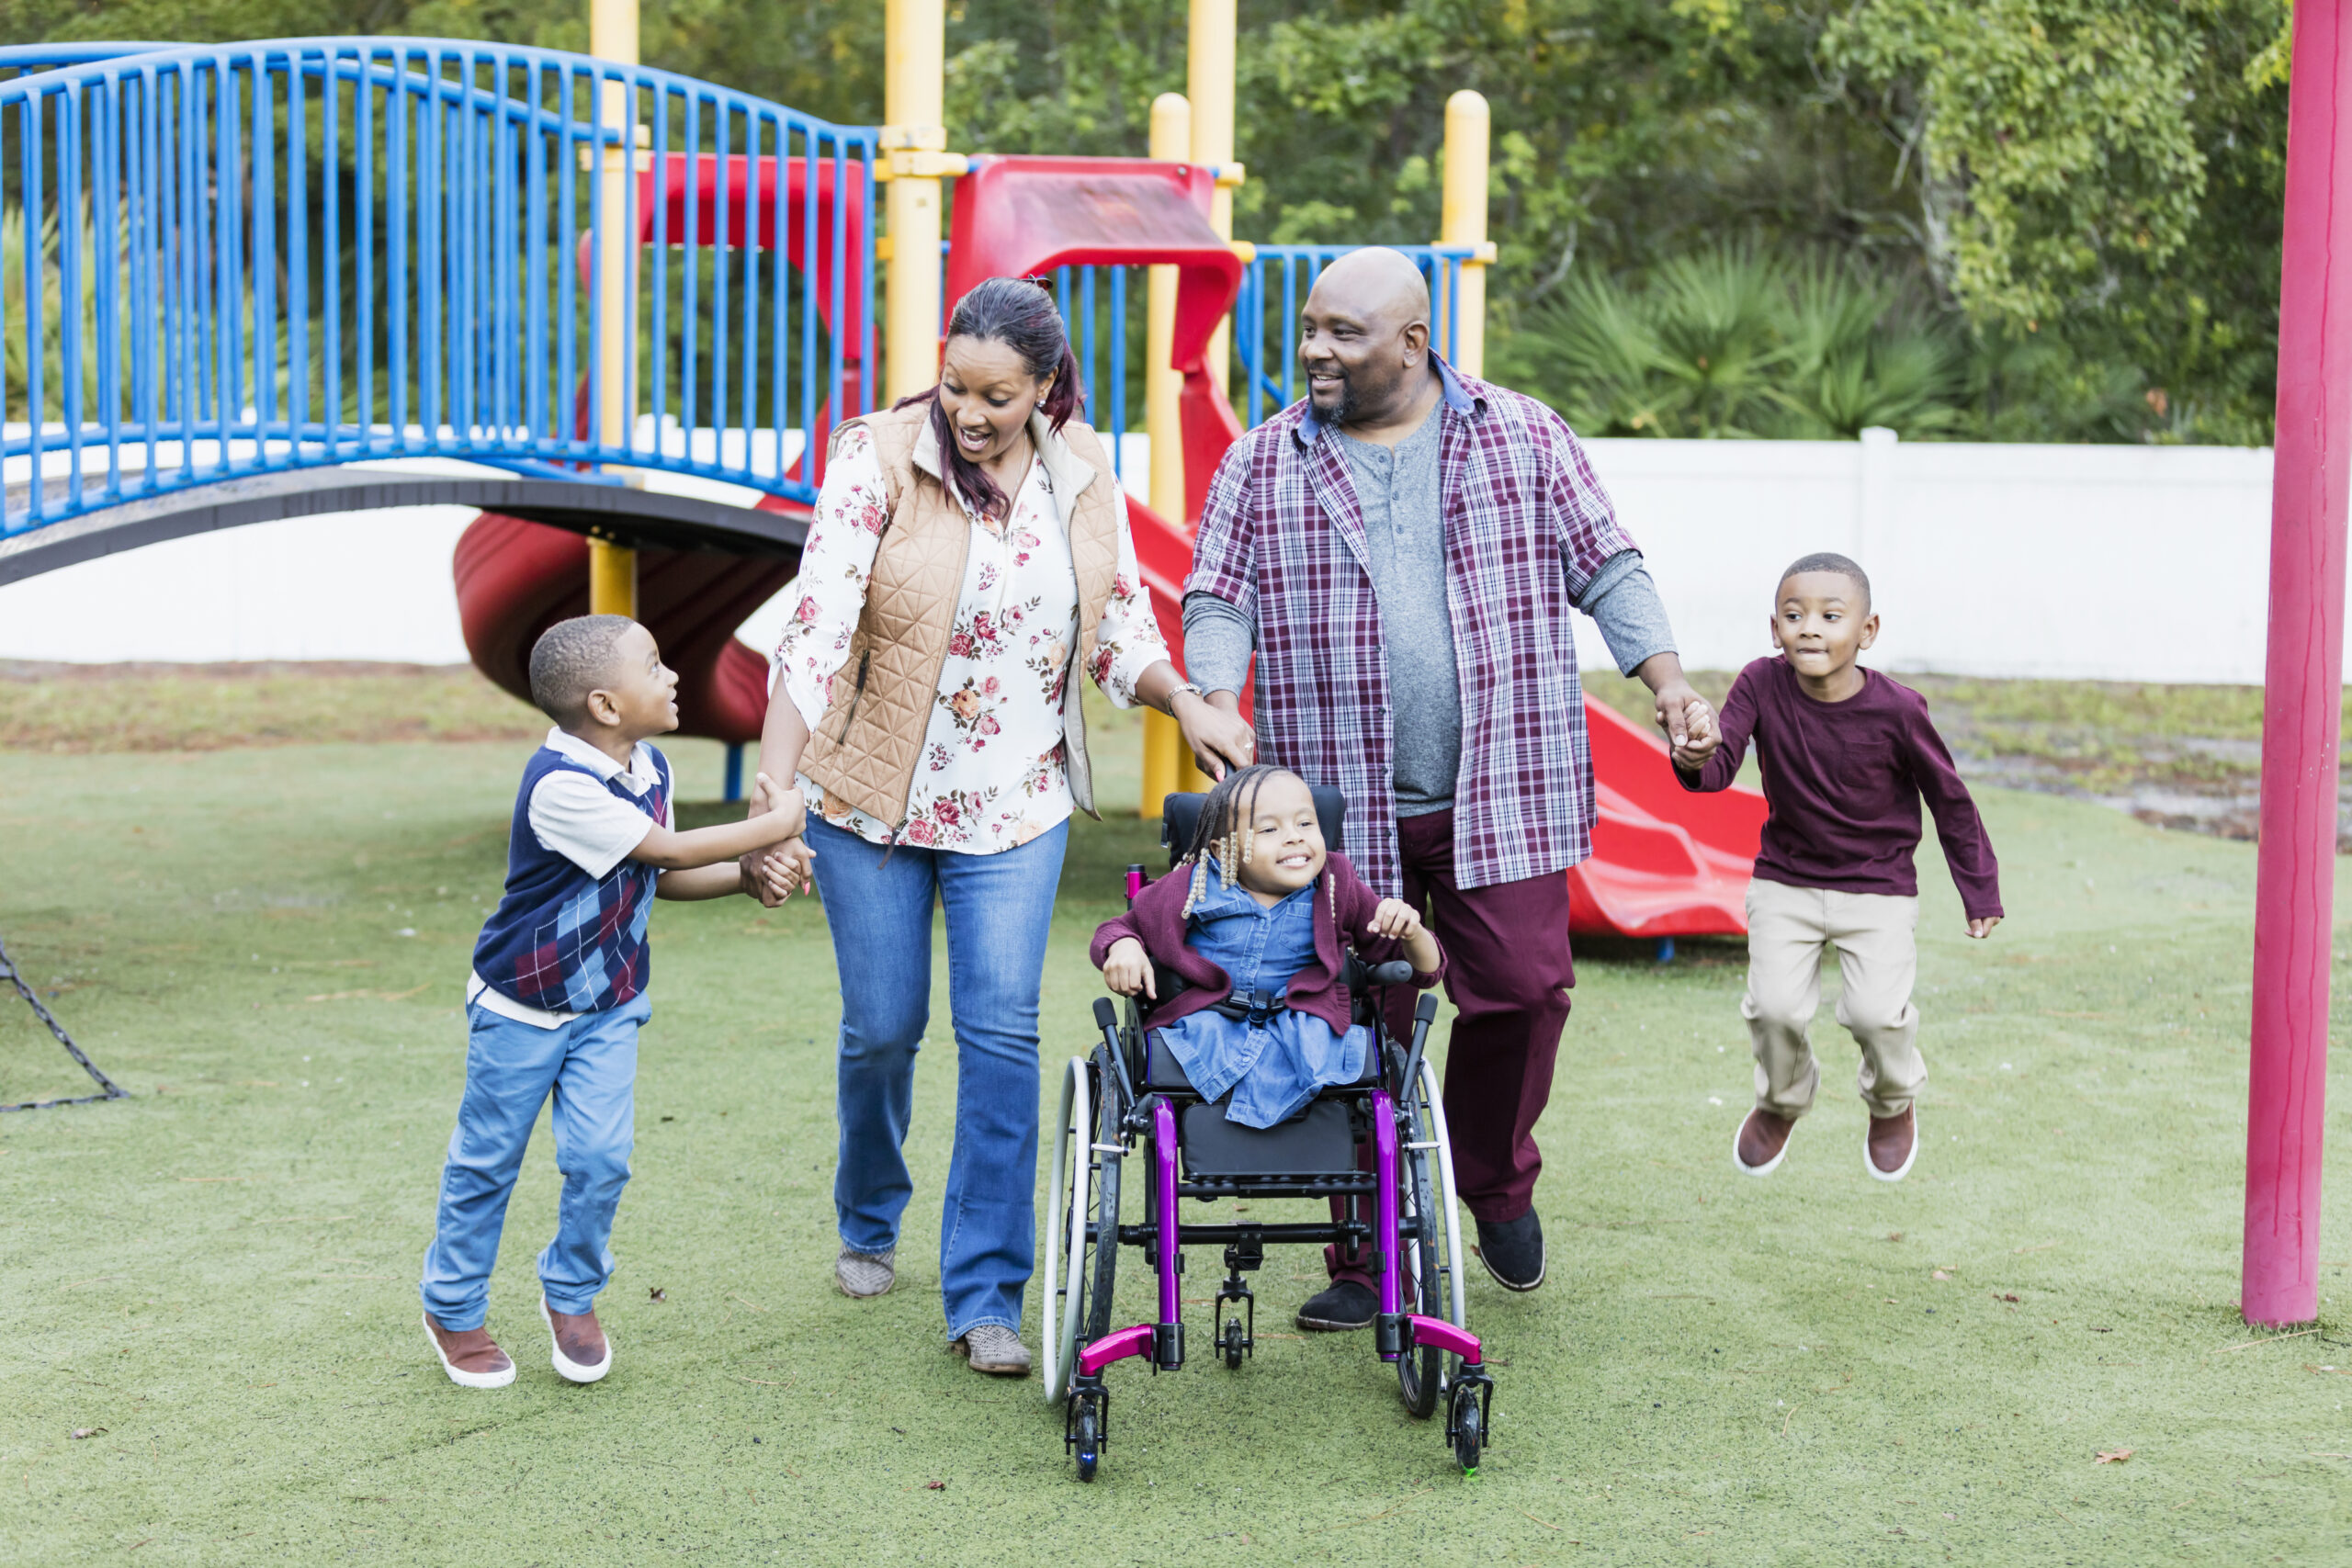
(221, 1272)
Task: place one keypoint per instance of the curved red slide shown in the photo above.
(516, 578)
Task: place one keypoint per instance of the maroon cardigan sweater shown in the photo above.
(1157, 919)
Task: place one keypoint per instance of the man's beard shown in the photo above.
(1349, 403)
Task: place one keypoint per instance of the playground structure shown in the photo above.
(633, 306)
(247, 278)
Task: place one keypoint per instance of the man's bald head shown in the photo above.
(1364, 342)
(1375, 285)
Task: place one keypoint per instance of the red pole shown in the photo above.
(2295, 885)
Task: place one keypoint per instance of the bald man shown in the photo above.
(1403, 550)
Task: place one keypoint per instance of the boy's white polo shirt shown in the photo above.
(586, 823)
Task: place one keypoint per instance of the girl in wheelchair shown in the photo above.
(1248, 936)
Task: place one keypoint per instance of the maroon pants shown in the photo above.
(1508, 972)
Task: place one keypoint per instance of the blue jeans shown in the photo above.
(590, 1065)
(999, 910)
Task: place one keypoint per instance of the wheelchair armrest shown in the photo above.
(1168, 983)
(1356, 973)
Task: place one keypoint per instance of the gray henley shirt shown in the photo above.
(1400, 491)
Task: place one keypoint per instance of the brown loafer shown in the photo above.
(1763, 1140)
(470, 1355)
(1893, 1145)
(996, 1350)
(583, 1354)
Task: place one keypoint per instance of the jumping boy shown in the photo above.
(1847, 755)
(558, 991)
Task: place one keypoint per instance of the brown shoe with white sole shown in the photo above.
(1763, 1140)
(1893, 1145)
(583, 1354)
(470, 1355)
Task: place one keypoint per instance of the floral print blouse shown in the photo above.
(992, 774)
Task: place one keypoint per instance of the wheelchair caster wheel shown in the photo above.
(1232, 1342)
(1468, 1424)
(1089, 1431)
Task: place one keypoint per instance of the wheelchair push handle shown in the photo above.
(1424, 1014)
(1106, 1019)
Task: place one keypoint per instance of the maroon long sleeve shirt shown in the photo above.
(1844, 781)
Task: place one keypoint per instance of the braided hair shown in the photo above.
(1224, 831)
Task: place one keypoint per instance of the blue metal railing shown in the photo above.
(225, 260)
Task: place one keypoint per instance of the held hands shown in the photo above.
(1982, 926)
(1127, 969)
(776, 872)
(1689, 726)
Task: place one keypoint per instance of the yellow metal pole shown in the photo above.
(1463, 222)
(612, 35)
(1208, 83)
(1166, 768)
(915, 104)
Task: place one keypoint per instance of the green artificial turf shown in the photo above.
(218, 1275)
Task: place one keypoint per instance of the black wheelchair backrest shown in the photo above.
(1181, 814)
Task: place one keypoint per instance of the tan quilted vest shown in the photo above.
(864, 750)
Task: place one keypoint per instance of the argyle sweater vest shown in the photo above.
(560, 939)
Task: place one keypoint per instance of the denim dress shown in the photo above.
(1274, 1060)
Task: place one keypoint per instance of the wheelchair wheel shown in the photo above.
(1065, 1211)
(1420, 1371)
(1085, 1429)
(1084, 1195)
(1097, 1258)
(1468, 1424)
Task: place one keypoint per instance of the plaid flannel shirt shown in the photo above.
(1526, 528)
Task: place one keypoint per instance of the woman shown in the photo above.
(970, 549)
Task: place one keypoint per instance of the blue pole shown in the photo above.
(734, 786)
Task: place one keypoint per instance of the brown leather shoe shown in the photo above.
(583, 1354)
(1893, 1145)
(1763, 1139)
(470, 1355)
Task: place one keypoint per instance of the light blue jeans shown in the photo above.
(999, 909)
(590, 1066)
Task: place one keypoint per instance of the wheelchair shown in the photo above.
(1377, 1146)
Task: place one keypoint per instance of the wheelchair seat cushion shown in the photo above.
(1316, 1142)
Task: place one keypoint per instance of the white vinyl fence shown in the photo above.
(2129, 563)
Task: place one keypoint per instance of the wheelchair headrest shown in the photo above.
(1181, 815)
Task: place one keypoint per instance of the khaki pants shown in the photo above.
(1789, 929)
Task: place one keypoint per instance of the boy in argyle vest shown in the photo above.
(558, 991)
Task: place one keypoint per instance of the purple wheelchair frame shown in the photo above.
(1396, 1333)
(1164, 1341)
